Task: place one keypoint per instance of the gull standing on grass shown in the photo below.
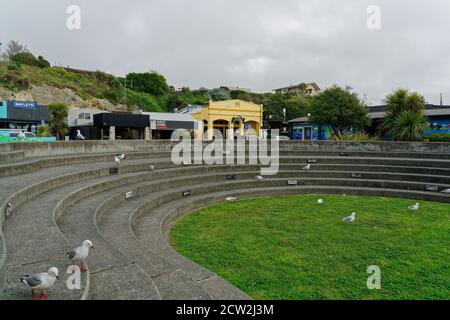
(41, 281)
(414, 207)
(350, 218)
(80, 254)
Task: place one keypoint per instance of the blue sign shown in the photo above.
(3, 110)
(24, 104)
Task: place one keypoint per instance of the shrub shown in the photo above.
(438, 137)
(357, 136)
(43, 63)
(43, 130)
(25, 58)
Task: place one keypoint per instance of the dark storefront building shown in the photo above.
(121, 126)
(24, 115)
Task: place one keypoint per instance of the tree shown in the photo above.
(13, 48)
(295, 106)
(405, 120)
(58, 116)
(150, 82)
(341, 109)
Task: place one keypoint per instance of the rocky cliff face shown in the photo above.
(46, 95)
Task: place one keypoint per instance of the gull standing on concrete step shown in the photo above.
(414, 207)
(41, 281)
(350, 218)
(80, 136)
(446, 191)
(308, 167)
(80, 254)
(259, 178)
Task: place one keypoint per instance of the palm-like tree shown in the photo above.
(58, 115)
(405, 120)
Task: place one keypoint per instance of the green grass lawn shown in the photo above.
(292, 248)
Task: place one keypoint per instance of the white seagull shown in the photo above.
(446, 191)
(121, 156)
(259, 178)
(231, 199)
(414, 207)
(350, 218)
(80, 136)
(308, 167)
(80, 253)
(41, 281)
(21, 135)
(320, 201)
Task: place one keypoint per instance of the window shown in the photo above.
(84, 115)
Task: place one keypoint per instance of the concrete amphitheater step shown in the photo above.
(12, 156)
(34, 164)
(32, 237)
(118, 218)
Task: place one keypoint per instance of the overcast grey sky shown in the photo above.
(258, 44)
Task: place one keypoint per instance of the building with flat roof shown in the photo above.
(310, 89)
(23, 115)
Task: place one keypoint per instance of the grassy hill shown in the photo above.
(88, 85)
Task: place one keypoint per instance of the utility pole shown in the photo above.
(441, 99)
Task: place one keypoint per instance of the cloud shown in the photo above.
(260, 44)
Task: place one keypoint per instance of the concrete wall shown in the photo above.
(45, 149)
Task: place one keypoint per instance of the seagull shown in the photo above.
(41, 281)
(80, 136)
(117, 159)
(308, 167)
(446, 191)
(80, 253)
(320, 201)
(21, 135)
(152, 168)
(231, 199)
(414, 207)
(259, 178)
(8, 209)
(121, 156)
(350, 218)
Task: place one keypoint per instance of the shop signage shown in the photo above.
(31, 105)
(161, 124)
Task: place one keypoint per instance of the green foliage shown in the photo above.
(357, 136)
(25, 58)
(43, 63)
(295, 107)
(438, 137)
(150, 82)
(58, 118)
(43, 130)
(405, 120)
(341, 109)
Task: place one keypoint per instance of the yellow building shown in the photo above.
(238, 115)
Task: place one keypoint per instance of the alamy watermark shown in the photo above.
(230, 151)
(374, 19)
(73, 22)
(374, 280)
